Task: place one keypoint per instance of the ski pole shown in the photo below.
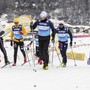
(33, 49)
(73, 57)
(27, 56)
(33, 59)
(57, 55)
(52, 54)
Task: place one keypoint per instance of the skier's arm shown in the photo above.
(56, 31)
(70, 34)
(71, 37)
(53, 30)
(33, 26)
(24, 31)
(11, 35)
(30, 42)
(1, 33)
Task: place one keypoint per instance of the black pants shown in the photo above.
(21, 45)
(3, 50)
(37, 51)
(63, 49)
(43, 49)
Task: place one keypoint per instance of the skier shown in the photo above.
(63, 33)
(3, 48)
(37, 54)
(44, 27)
(17, 33)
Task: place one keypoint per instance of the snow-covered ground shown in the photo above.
(25, 78)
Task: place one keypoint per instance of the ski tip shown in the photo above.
(6, 65)
(58, 66)
(3, 66)
(25, 62)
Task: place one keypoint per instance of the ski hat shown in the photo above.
(43, 14)
(61, 22)
(16, 20)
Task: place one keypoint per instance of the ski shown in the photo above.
(25, 63)
(6, 65)
(38, 64)
(59, 66)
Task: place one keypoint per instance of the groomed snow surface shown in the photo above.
(25, 78)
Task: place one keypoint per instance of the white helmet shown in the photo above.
(43, 14)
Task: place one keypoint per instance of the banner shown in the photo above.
(76, 56)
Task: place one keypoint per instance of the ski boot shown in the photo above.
(63, 64)
(14, 64)
(40, 61)
(25, 60)
(45, 67)
(6, 63)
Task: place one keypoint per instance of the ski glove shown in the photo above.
(1, 33)
(71, 43)
(11, 43)
(31, 25)
(53, 40)
(21, 33)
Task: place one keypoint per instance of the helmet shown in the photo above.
(43, 14)
(16, 20)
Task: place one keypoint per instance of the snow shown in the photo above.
(25, 78)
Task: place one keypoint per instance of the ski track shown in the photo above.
(25, 78)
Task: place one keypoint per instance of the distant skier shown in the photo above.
(44, 26)
(88, 60)
(63, 33)
(3, 48)
(17, 33)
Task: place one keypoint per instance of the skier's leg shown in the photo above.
(64, 49)
(5, 54)
(37, 51)
(15, 53)
(45, 51)
(41, 44)
(3, 51)
(22, 50)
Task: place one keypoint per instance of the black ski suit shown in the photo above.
(3, 48)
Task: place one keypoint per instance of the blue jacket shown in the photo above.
(44, 27)
(16, 32)
(63, 34)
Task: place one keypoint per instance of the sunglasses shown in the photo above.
(15, 22)
(60, 24)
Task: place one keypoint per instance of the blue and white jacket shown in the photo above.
(44, 27)
(16, 31)
(63, 34)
